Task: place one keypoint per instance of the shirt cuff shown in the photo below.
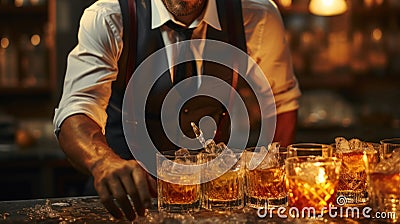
(63, 113)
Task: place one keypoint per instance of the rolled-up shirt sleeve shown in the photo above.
(92, 65)
(267, 46)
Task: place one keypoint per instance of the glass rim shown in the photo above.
(308, 146)
(251, 149)
(394, 141)
(363, 150)
(311, 159)
(171, 154)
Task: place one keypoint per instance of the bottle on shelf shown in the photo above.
(32, 60)
(8, 61)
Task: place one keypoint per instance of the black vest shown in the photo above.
(143, 42)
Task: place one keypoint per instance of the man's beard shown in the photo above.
(183, 8)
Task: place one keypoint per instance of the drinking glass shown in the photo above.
(353, 177)
(383, 186)
(312, 183)
(265, 181)
(388, 146)
(309, 149)
(223, 181)
(178, 182)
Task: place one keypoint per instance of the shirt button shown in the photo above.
(223, 113)
(186, 110)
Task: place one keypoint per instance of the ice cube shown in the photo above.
(272, 157)
(254, 158)
(355, 144)
(210, 146)
(178, 165)
(181, 166)
(262, 158)
(342, 144)
(369, 147)
(222, 162)
(311, 173)
(181, 156)
(274, 148)
(220, 148)
(165, 167)
(182, 152)
(228, 157)
(389, 165)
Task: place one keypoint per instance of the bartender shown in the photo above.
(88, 118)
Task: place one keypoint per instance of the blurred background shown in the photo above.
(347, 64)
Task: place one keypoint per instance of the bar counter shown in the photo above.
(90, 210)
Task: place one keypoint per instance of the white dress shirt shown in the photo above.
(93, 64)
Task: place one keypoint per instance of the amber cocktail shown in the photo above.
(265, 182)
(226, 191)
(312, 183)
(178, 183)
(384, 181)
(353, 177)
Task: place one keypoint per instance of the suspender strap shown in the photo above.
(236, 34)
(114, 132)
(132, 39)
(237, 38)
(128, 55)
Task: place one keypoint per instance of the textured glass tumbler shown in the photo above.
(226, 191)
(312, 182)
(178, 183)
(265, 183)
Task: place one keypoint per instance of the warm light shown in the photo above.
(4, 43)
(18, 3)
(321, 177)
(35, 40)
(368, 3)
(377, 34)
(327, 7)
(379, 2)
(285, 3)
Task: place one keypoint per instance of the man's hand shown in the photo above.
(116, 178)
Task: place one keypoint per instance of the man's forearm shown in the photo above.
(285, 127)
(83, 142)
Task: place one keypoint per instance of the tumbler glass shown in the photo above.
(265, 182)
(353, 184)
(388, 146)
(383, 186)
(178, 182)
(223, 181)
(312, 183)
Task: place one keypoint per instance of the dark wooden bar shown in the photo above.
(90, 210)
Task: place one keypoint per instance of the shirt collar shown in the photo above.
(160, 15)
